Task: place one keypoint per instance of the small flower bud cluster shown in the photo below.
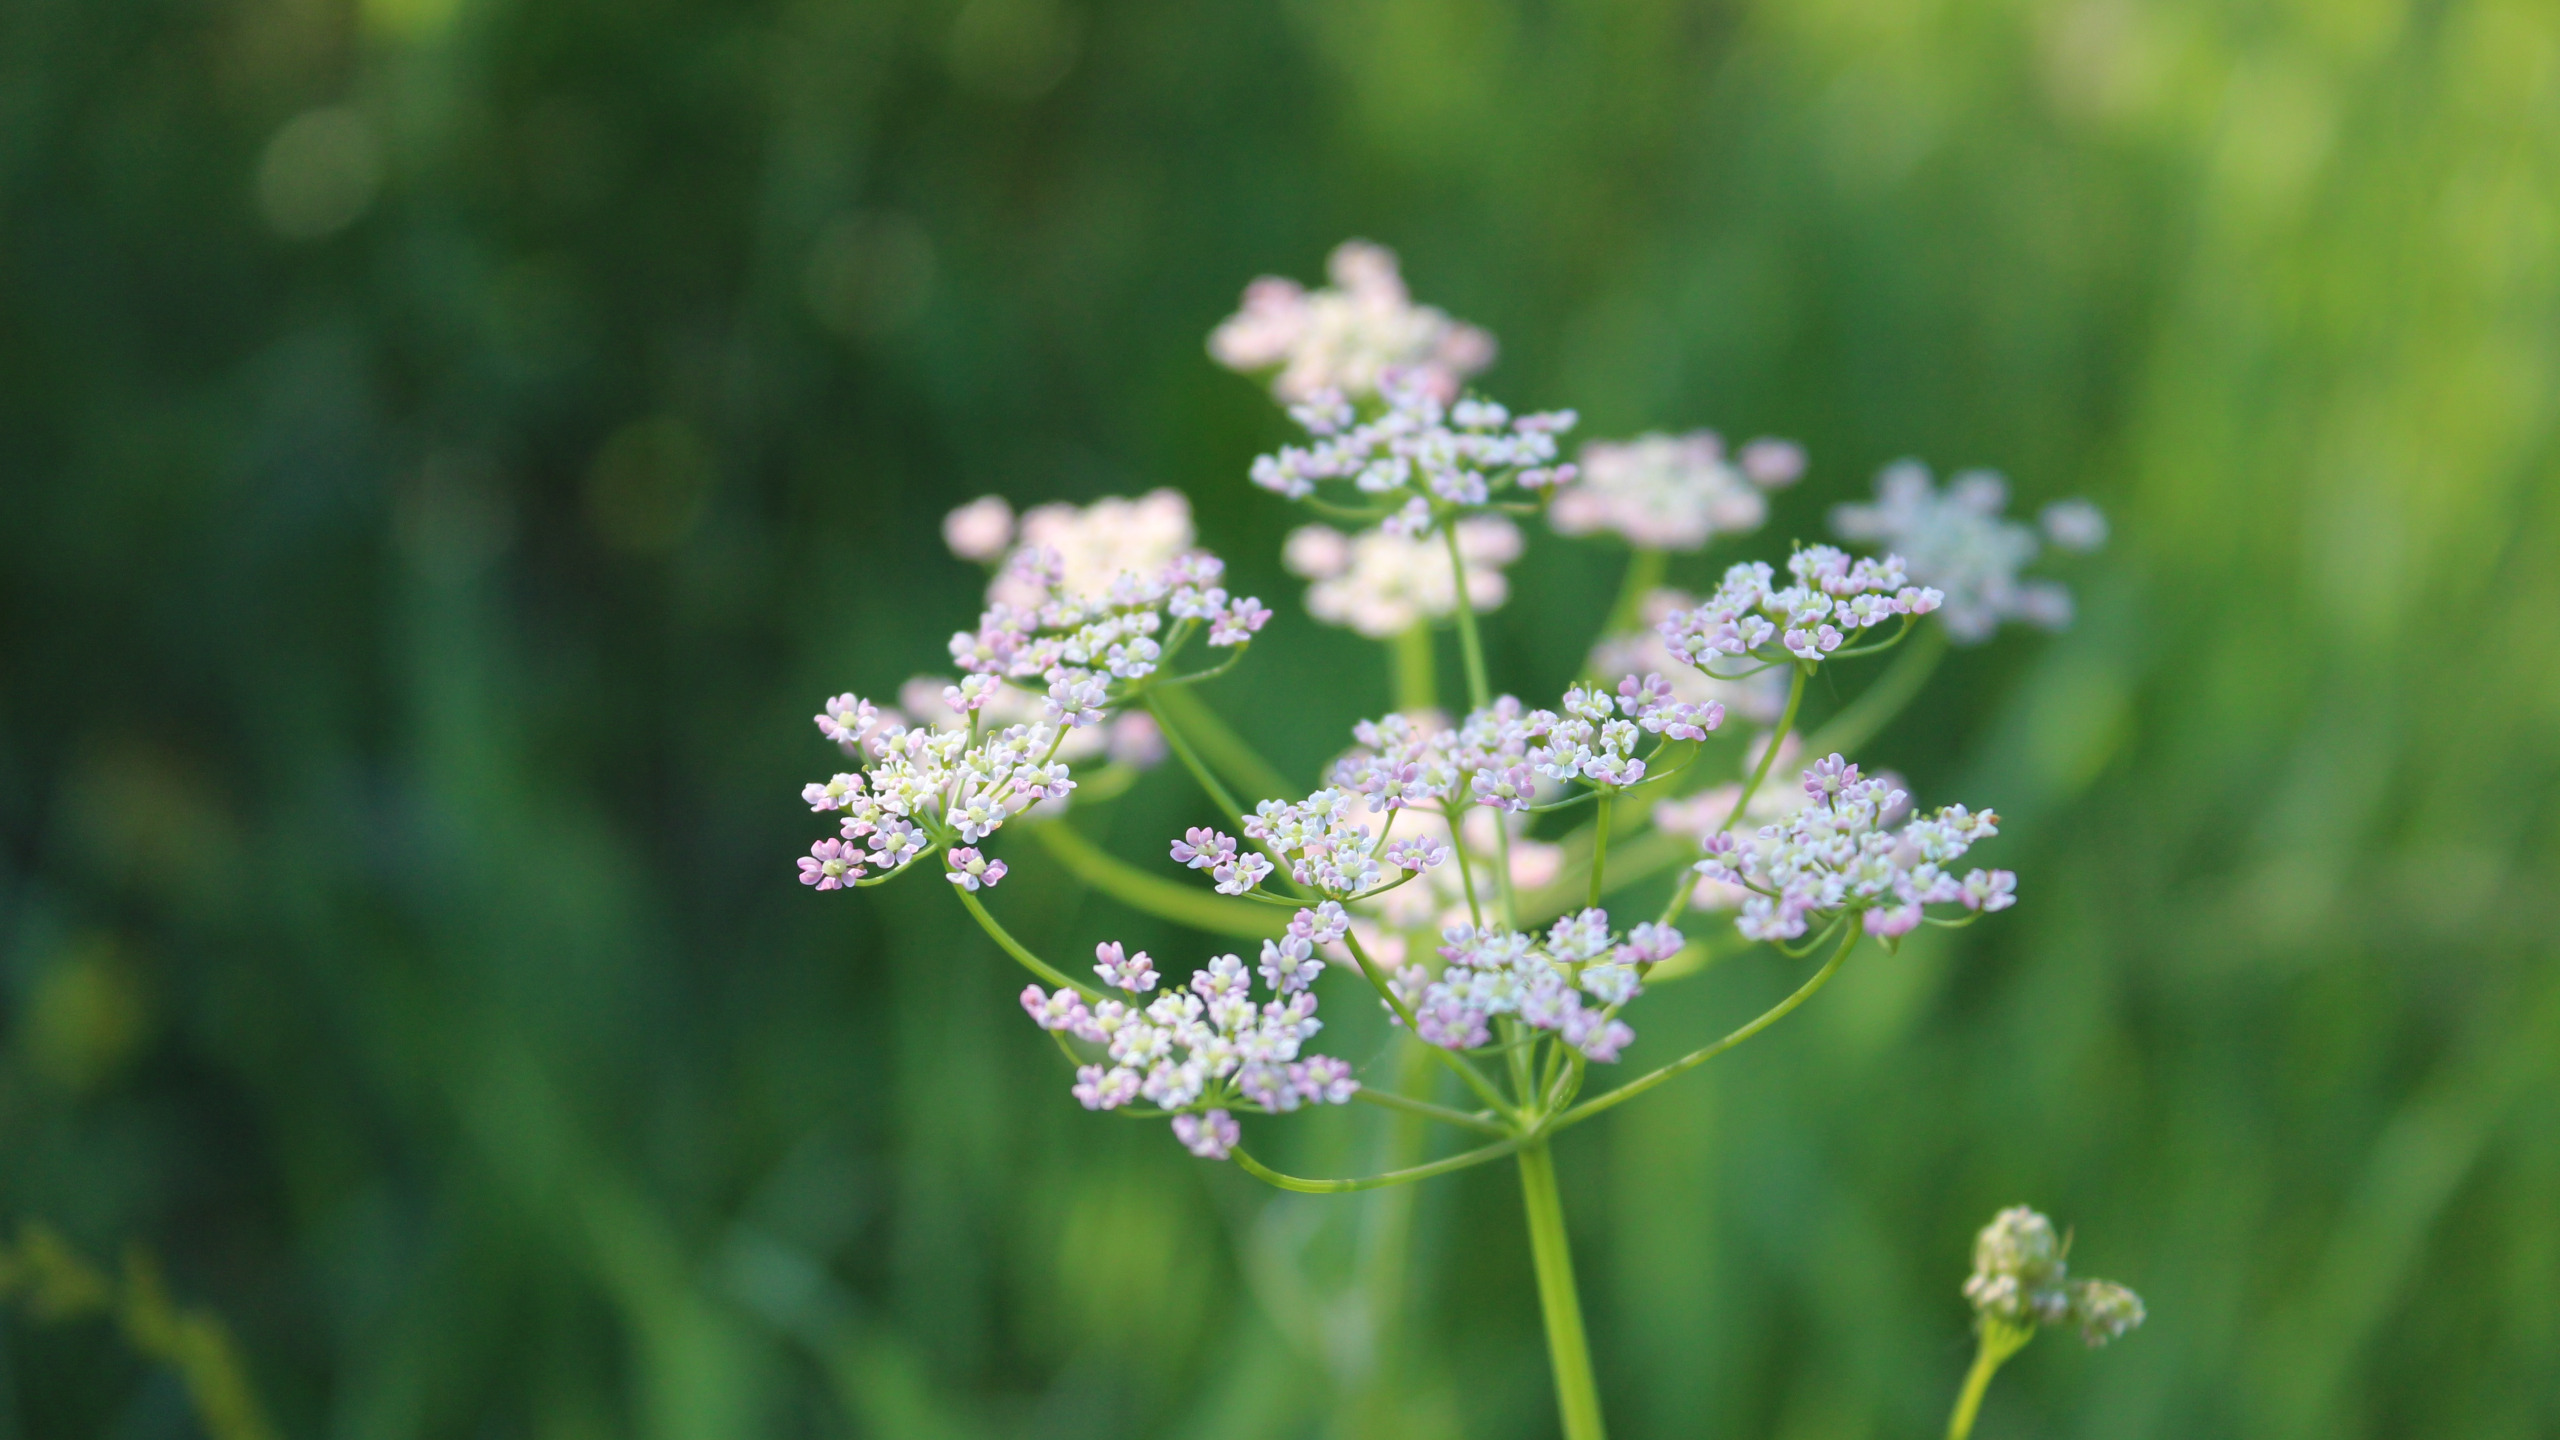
(1759, 698)
(1351, 337)
(1088, 651)
(1958, 541)
(1204, 1049)
(1658, 492)
(1418, 452)
(2020, 1278)
(918, 782)
(1835, 599)
(1573, 980)
(1841, 852)
(1594, 739)
(1382, 582)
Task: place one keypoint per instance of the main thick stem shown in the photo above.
(1417, 683)
(1568, 1347)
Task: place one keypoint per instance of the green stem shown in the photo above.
(1417, 684)
(1180, 744)
(1466, 867)
(1151, 894)
(1681, 892)
(1470, 645)
(1390, 1100)
(1768, 757)
(1551, 1250)
(1013, 947)
(1644, 576)
(1218, 794)
(1224, 748)
(1599, 846)
(1696, 1058)
(2000, 1340)
(1474, 1080)
(1462, 1161)
(1848, 731)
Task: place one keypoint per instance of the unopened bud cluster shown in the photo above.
(2020, 1277)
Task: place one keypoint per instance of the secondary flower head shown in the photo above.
(1832, 601)
(1202, 1050)
(2020, 1278)
(923, 786)
(2018, 1270)
(1350, 336)
(1329, 849)
(1082, 551)
(1660, 492)
(1571, 979)
(1418, 451)
(1382, 583)
(1958, 540)
(1842, 852)
(1086, 652)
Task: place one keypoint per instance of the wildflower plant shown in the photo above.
(1475, 876)
(2022, 1282)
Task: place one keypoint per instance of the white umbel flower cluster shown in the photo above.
(2020, 1278)
(1382, 583)
(1201, 1051)
(1416, 451)
(1328, 849)
(1663, 492)
(1089, 651)
(1958, 541)
(1835, 600)
(1350, 337)
(1841, 852)
(1572, 980)
(921, 786)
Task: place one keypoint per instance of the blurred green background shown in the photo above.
(447, 447)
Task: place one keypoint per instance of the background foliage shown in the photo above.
(447, 447)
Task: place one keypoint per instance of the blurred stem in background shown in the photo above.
(1417, 687)
(55, 1284)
